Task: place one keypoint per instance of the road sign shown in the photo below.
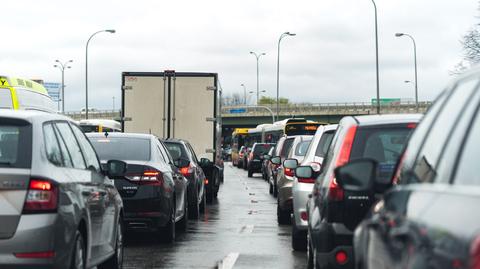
(238, 110)
(387, 101)
(53, 89)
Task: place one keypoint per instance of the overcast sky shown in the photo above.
(332, 58)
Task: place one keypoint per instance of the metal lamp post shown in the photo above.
(376, 56)
(278, 66)
(62, 67)
(86, 68)
(415, 62)
(244, 93)
(258, 57)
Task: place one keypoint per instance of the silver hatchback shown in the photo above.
(58, 209)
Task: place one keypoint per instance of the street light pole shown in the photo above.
(258, 57)
(278, 67)
(86, 68)
(244, 93)
(376, 54)
(415, 62)
(62, 67)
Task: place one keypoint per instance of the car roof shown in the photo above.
(32, 115)
(117, 134)
(387, 119)
(174, 140)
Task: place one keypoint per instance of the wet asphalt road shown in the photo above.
(239, 228)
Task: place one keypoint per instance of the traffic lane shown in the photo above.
(240, 228)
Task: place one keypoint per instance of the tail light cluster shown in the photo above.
(475, 254)
(149, 177)
(187, 171)
(289, 172)
(42, 197)
(316, 168)
(335, 192)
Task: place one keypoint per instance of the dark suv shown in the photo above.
(181, 149)
(430, 219)
(332, 211)
(255, 158)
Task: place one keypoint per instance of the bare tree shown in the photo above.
(471, 50)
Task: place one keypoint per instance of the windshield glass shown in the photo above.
(176, 150)
(122, 148)
(302, 148)
(15, 144)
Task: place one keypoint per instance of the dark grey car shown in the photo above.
(57, 207)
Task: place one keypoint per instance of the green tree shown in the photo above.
(265, 100)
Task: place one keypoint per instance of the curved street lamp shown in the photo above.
(86, 68)
(278, 66)
(258, 57)
(376, 56)
(415, 62)
(62, 67)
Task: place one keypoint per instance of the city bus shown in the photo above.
(24, 94)
(239, 137)
(271, 133)
(100, 126)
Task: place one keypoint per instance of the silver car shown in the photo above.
(58, 208)
(297, 148)
(301, 188)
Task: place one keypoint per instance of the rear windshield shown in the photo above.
(286, 147)
(177, 151)
(89, 128)
(383, 144)
(122, 148)
(324, 144)
(5, 99)
(262, 149)
(15, 144)
(302, 148)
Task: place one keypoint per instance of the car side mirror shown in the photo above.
(180, 163)
(357, 175)
(205, 162)
(266, 157)
(290, 163)
(276, 160)
(116, 168)
(304, 172)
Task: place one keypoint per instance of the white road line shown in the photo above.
(229, 261)
(246, 229)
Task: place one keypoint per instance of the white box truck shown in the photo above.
(180, 105)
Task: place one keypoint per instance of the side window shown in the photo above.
(67, 158)
(89, 153)
(466, 172)
(194, 156)
(54, 154)
(160, 153)
(425, 168)
(72, 145)
(167, 155)
(324, 143)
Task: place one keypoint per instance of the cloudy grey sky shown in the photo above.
(332, 58)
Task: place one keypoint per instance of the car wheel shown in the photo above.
(203, 203)
(309, 253)
(167, 233)
(79, 252)
(270, 188)
(299, 238)
(250, 173)
(194, 207)
(283, 216)
(116, 260)
(183, 223)
(275, 191)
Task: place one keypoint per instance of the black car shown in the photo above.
(255, 158)
(333, 211)
(153, 190)
(181, 149)
(430, 219)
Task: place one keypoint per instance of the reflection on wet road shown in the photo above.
(240, 229)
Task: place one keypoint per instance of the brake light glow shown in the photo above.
(187, 171)
(341, 257)
(304, 215)
(206, 181)
(289, 172)
(411, 125)
(346, 148)
(475, 254)
(149, 177)
(35, 255)
(42, 197)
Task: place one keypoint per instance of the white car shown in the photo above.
(302, 188)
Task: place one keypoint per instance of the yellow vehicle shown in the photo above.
(239, 137)
(100, 126)
(25, 94)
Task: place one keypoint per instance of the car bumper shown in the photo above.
(300, 192)
(37, 233)
(328, 259)
(255, 166)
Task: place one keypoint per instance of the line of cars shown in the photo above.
(67, 198)
(381, 192)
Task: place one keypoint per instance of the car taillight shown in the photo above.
(149, 177)
(36, 255)
(289, 172)
(42, 197)
(187, 171)
(335, 192)
(315, 166)
(475, 254)
(341, 257)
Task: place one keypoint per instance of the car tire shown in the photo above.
(283, 216)
(309, 252)
(275, 191)
(116, 260)
(299, 238)
(203, 203)
(250, 173)
(167, 233)
(79, 252)
(183, 223)
(270, 188)
(194, 207)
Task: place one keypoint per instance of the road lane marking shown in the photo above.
(229, 261)
(246, 229)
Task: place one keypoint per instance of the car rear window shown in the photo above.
(383, 144)
(262, 149)
(176, 150)
(287, 145)
(324, 144)
(302, 148)
(122, 148)
(15, 143)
